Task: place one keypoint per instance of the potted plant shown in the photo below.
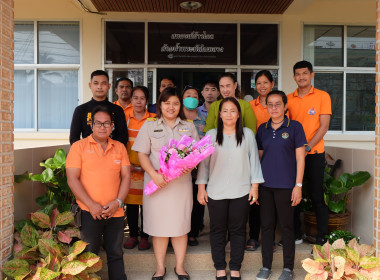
(54, 177)
(341, 261)
(47, 246)
(335, 194)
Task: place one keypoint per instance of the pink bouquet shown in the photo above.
(185, 153)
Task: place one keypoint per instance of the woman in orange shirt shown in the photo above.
(135, 120)
(264, 85)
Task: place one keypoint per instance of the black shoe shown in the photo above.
(235, 277)
(159, 277)
(181, 277)
(221, 277)
(193, 242)
(320, 241)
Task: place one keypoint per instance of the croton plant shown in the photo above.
(47, 246)
(341, 261)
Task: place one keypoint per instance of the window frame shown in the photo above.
(35, 66)
(341, 69)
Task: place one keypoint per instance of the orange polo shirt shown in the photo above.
(307, 110)
(126, 110)
(100, 171)
(261, 113)
(135, 193)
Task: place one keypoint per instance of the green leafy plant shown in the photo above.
(341, 234)
(341, 261)
(45, 249)
(336, 190)
(54, 177)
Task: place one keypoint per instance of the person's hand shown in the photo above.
(109, 209)
(186, 170)
(159, 180)
(202, 196)
(253, 196)
(96, 211)
(296, 196)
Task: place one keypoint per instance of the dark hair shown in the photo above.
(168, 78)
(239, 132)
(145, 90)
(186, 88)
(100, 73)
(233, 78)
(302, 64)
(123, 79)
(210, 82)
(164, 96)
(265, 73)
(280, 93)
(103, 109)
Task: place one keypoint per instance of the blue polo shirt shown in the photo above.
(278, 162)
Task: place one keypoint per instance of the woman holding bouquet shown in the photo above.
(230, 191)
(229, 88)
(167, 212)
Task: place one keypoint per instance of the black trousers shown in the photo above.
(112, 231)
(254, 222)
(314, 172)
(196, 214)
(272, 200)
(132, 212)
(228, 215)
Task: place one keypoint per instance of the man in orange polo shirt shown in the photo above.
(98, 173)
(312, 108)
(123, 89)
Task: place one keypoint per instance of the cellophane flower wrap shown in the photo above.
(177, 155)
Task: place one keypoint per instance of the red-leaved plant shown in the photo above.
(341, 261)
(44, 249)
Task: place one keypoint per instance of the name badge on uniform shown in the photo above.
(183, 129)
(158, 130)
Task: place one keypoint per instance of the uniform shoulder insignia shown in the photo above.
(190, 121)
(151, 119)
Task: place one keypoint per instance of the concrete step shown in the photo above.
(206, 275)
(198, 262)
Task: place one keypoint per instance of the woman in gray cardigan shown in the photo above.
(232, 174)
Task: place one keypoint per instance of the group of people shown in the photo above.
(263, 149)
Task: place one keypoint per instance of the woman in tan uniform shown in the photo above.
(167, 212)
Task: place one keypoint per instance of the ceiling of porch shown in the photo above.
(208, 6)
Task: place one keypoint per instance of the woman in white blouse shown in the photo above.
(230, 191)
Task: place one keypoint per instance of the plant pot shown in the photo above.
(336, 222)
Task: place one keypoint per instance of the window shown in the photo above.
(47, 60)
(344, 64)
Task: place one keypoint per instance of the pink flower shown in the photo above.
(171, 150)
(181, 147)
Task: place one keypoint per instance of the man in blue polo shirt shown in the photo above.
(281, 144)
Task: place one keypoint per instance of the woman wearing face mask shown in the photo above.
(190, 102)
(229, 87)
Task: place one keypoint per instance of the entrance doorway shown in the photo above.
(195, 77)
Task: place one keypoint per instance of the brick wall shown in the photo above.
(6, 130)
(376, 214)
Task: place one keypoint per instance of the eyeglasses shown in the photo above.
(105, 124)
(272, 106)
(189, 87)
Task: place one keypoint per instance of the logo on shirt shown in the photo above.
(90, 151)
(117, 161)
(89, 120)
(285, 135)
(312, 112)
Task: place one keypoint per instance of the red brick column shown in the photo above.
(376, 214)
(6, 130)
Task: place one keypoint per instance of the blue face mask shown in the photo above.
(190, 103)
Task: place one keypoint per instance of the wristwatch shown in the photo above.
(299, 185)
(307, 148)
(121, 203)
